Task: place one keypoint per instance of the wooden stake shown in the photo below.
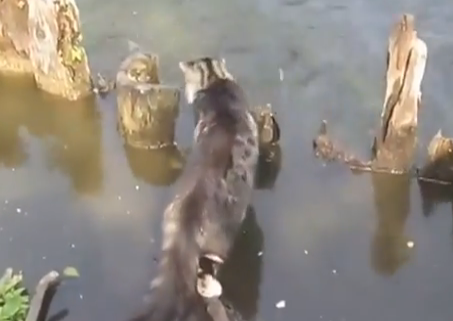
(393, 148)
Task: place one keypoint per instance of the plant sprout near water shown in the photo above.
(14, 299)
(15, 302)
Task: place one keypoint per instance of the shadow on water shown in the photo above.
(156, 167)
(241, 274)
(433, 195)
(389, 249)
(70, 131)
(269, 165)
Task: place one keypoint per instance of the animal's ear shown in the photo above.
(184, 66)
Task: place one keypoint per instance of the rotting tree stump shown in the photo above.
(268, 127)
(439, 165)
(14, 38)
(147, 110)
(394, 145)
(43, 38)
(270, 158)
(436, 176)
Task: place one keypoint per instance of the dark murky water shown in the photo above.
(334, 244)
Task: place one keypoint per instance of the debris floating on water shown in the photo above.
(410, 244)
(137, 187)
(260, 253)
(119, 197)
(71, 272)
(281, 304)
(334, 271)
(18, 210)
(280, 71)
(305, 252)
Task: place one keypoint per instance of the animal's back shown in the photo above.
(212, 195)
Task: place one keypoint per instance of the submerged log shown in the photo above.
(328, 150)
(40, 302)
(147, 110)
(48, 34)
(394, 146)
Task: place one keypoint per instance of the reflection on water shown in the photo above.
(392, 202)
(433, 195)
(156, 167)
(70, 133)
(241, 274)
(269, 165)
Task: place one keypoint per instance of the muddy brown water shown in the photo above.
(334, 244)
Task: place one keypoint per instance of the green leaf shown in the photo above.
(11, 283)
(71, 271)
(11, 308)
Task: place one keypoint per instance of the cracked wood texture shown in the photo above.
(147, 110)
(394, 146)
(43, 38)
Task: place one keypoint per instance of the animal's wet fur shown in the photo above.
(212, 196)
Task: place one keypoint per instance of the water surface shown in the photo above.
(334, 244)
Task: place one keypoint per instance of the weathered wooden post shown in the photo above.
(394, 146)
(270, 159)
(268, 127)
(147, 110)
(47, 34)
(435, 178)
(14, 38)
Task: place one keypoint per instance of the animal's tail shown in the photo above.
(173, 290)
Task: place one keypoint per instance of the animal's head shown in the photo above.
(200, 73)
